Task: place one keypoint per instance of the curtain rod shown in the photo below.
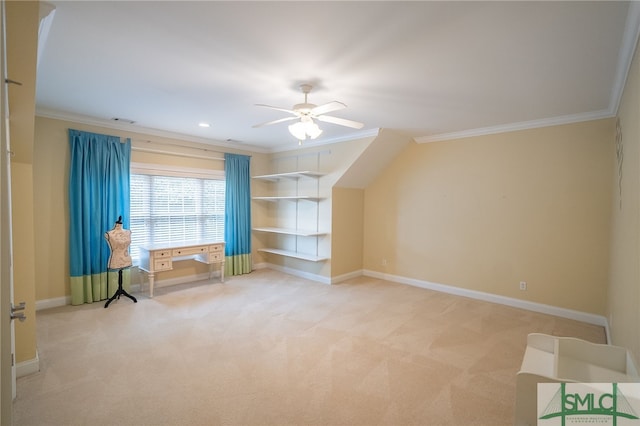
(149, 141)
(158, 151)
(177, 154)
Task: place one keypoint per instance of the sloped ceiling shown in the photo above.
(426, 70)
(377, 155)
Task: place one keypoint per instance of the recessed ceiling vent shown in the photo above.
(122, 120)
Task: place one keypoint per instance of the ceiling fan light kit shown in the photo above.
(307, 112)
(305, 127)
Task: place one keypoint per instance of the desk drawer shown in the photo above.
(189, 251)
(160, 254)
(216, 248)
(162, 265)
(216, 257)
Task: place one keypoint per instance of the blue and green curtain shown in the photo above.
(98, 195)
(237, 214)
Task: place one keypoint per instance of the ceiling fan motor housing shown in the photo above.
(304, 108)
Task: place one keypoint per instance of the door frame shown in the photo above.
(7, 358)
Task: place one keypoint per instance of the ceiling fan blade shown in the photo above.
(340, 121)
(275, 121)
(278, 108)
(328, 107)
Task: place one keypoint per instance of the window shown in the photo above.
(170, 205)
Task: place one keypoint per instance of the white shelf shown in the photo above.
(290, 231)
(290, 175)
(552, 359)
(293, 232)
(294, 254)
(293, 197)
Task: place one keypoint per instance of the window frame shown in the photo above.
(174, 171)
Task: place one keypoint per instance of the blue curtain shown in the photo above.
(98, 195)
(237, 214)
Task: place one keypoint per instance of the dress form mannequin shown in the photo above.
(119, 240)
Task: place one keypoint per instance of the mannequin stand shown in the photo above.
(119, 291)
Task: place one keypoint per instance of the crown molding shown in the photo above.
(92, 121)
(512, 127)
(626, 54)
(627, 51)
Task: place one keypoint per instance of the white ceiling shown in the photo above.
(429, 70)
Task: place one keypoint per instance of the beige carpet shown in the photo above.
(271, 349)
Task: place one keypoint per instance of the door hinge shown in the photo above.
(16, 312)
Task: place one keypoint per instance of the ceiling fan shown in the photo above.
(306, 113)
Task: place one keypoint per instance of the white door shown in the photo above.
(7, 367)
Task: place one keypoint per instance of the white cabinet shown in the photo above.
(297, 213)
(551, 359)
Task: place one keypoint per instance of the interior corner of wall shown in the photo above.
(29, 366)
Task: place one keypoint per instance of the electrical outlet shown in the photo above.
(523, 285)
(384, 262)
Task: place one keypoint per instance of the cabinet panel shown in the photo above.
(215, 257)
(162, 265)
(189, 251)
(162, 254)
(296, 230)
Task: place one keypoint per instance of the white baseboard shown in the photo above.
(135, 287)
(306, 275)
(347, 276)
(494, 298)
(443, 288)
(31, 366)
(257, 266)
(52, 303)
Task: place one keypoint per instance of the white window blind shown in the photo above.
(168, 209)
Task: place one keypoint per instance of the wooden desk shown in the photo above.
(160, 257)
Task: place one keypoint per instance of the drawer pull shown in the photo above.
(162, 265)
(164, 253)
(189, 251)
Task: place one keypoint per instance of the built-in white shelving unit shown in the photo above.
(290, 175)
(289, 231)
(294, 254)
(293, 197)
(553, 359)
(292, 229)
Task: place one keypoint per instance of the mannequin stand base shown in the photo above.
(120, 291)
